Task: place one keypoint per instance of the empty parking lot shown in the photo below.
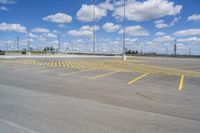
(101, 94)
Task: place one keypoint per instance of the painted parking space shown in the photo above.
(97, 70)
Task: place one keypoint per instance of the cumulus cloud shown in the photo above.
(146, 10)
(164, 39)
(159, 33)
(7, 1)
(188, 32)
(161, 24)
(135, 31)
(110, 27)
(50, 35)
(40, 30)
(84, 31)
(89, 28)
(3, 8)
(31, 35)
(106, 5)
(194, 17)
(191, 40)
(85, 13)
(60, 18)
(4, 27)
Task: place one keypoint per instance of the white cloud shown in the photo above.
(3, 8)
(130, 41)
(4, 27)
(147, 10)
(106, 5)
(60, 18)
(161, 24)
(135, 31)
(188, 32)
(159, 33)
(84, 31)
(50, 35)
(194, 17)
(85, 13)
(40, 30)
(89, 28)
(7, 1)
(79, 33)
(164, 39)
(110, 27)
(192, 40)
(31, 35)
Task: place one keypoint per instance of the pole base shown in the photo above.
(124, 57)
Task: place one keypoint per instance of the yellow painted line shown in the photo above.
(48, 64)
(81, 65)
(59, 64)
(181, 83)
(66, 74)
(41, 63)
(52, 63)
(71, 65)
(104, 75)
(63, 64)
(56, 63)
(66, 64)
(138, 78)
(44, 64)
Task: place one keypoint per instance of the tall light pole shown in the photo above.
(189, 51)
(28, 43)
(59, 42)
(6, 46)
(175, 48)
(17, 43)
(124, 33)
(94, 29)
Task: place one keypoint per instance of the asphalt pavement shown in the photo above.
(59, 95)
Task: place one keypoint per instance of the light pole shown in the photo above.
(94, 29)
(17, 43)
(59, 44)
(28, 43)
(175, 48)
(6, 46)
(124, 33)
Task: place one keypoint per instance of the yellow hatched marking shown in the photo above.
(59, 64)
(66, 64)
(71, 65)
(63, 64)
(49, 63)
(52, 63)
(56, 63)
(44, 63)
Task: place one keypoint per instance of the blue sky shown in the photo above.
(152, 25)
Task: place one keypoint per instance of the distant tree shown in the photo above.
(51, 48)
(45, 49)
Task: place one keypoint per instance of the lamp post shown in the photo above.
(124, 33)
(59, 44)
(17, 43)
(94, 29)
